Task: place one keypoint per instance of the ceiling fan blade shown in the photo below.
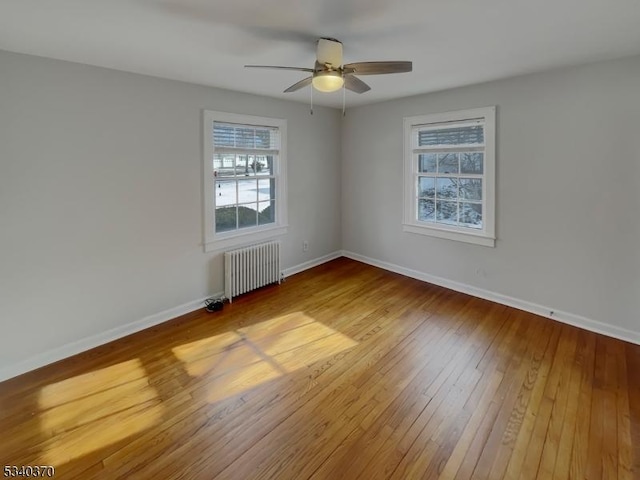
(299, 85)
(298, 69)
(354, 84)
(378, 68)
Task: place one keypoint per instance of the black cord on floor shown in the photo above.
(213, 304)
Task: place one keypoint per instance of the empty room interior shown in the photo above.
(344, 239)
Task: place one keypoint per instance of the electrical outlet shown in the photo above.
(305, 246)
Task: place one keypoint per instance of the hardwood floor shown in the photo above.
(343, 371)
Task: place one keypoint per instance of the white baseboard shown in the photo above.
(548, 312)
(73, 348)
(311, 263)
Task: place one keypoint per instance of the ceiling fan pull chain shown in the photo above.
(311, 112)
(344, 100)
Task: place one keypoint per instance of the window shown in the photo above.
(244, 179)
(450, 175)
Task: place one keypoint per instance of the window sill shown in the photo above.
(237, 240)
(477, 239)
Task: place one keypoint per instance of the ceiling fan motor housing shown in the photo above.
(329, 50)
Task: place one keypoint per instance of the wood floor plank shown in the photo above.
(633, 393)
(625, 452)
(344, 371)
(596, 428)
(569, 424)
(610, 413)
(580, 452)
(558, 418)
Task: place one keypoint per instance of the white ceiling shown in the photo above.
(451, 42)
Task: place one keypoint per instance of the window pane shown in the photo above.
(224, 165)
(447, 163)
(247, 215)
(267, 212)
(245, 137)
(266, 138)
(242, 165)
(447, 212)
(472, 162)
(263, 165)
(447, 188)
(426, 210)
(426, 186)
(471, 215)
(223, 135)
(225, 193)
(247, 191)
(427, 162)
(266, 189)
(225, 219)
(470, 135)
(471, 188)
(249, 165)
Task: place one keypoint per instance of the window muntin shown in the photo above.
(449, 172)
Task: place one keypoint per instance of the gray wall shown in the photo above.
(101, 197)
(568, 191)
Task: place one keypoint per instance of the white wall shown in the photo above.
(101, 199)
(568, 193)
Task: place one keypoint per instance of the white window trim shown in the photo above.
(486, 236)
(221, 241)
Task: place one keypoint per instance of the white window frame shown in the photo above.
(219, 241)
(411, 224)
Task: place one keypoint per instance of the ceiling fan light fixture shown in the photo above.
(328, 81)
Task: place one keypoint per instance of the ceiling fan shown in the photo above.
(330, 75)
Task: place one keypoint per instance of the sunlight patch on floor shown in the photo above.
(240, 380)
(91, 411)
(239, 360)
(90, 383)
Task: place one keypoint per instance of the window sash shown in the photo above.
(434, 127)
(458, 199)
(236, 137)
(237, 180)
